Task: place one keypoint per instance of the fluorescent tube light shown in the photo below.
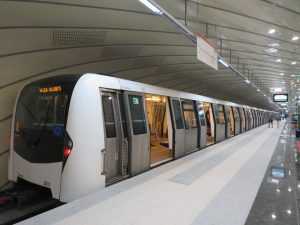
(151, 6)
(224, 63)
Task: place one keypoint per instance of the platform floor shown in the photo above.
(215, 186)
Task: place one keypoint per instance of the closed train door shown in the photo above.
(116, 143)
(138, 133)
(178, 127)
(202, 134)
(191, 125)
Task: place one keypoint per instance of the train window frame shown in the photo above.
(109, 133)
(178, 117)
(201, 113)
(134, 117)
(219, 112)
(190, 110)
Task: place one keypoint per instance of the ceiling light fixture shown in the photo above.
(152, 6)
(274, 45)
(258, 90)
(271, 50)
(281, 74)
(293, 75)
(294, 63)
(272, 31)
(247, 81)
(224, 63)
(295, 38)
(278, 60)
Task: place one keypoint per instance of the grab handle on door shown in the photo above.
(103, 151)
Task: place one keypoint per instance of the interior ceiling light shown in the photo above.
(152, 6)
(295, 38)
(294, 63)
(271, 50)
(281, 74)
(272, 31)
(258, 90)
(293, 75)
(224, 63)
(274, 45)
(247, 81)
(278, 60)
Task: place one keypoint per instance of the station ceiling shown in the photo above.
(123, 38)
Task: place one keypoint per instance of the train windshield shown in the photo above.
(40, 121)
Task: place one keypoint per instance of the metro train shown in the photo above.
(77, 134)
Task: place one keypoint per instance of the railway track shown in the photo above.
(22, 201)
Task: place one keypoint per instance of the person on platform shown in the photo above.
(271, 122)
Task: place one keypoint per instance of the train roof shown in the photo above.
(127, 85)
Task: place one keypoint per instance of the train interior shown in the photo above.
(231, 122)
(210, 123)
(160, 125)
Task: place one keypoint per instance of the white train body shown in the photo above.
(82, 171)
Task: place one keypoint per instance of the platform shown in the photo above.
(215, 186)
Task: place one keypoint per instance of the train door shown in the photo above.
(160, 126)
(260, 118)
(178, 127)
(256, 119)
(210, 123)
(229, 122)
(191, 125)
(237, 121)
(242, 117)
(138, 133)
(250, 119)
(202, 133)
(220, 122)
(116, 143)
(246, 119)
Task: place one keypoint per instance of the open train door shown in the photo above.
(138, 133)
(202, 134)
(178, 127)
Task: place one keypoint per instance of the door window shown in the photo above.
(177, 114)
(201, 114)
(220, 114)
(137, 111)
(109, 120)
(189, 115)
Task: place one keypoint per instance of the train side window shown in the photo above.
(137, 112)
(109, 119)
(189, 115)
(177, 114)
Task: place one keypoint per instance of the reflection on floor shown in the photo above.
(160, 152)
(214, 186)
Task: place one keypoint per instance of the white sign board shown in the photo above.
(206, 53)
